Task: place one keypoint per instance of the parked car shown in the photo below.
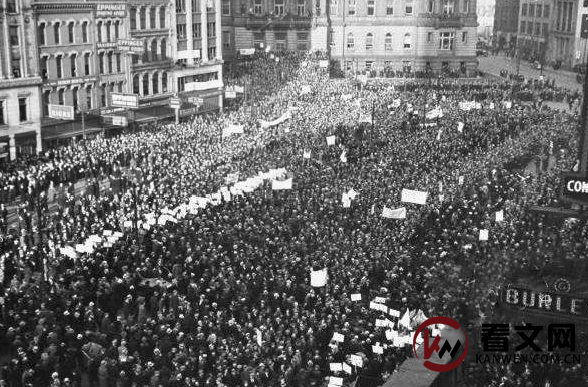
(580, 69)
(537, 65)
(481, 52)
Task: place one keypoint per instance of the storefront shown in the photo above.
(57, 133)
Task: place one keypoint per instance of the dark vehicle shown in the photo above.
(481, 52)
(557, 64)
(580, 69)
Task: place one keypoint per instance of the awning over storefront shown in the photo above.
(152, 113)
(55, 129)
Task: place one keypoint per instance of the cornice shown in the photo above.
(20, 82)
(63, 7)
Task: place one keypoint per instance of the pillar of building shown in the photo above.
(24, 62)
(150, 77)
(189, 31)
(218, 29)
(12, 146)
(204, 30)
(7, 52)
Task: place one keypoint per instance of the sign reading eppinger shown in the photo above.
(574, 188)
(445, 348)
(132, 46)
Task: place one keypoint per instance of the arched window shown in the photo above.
(155, 83)
(152, 17)
(163, 48)
(154, 50)
(407, 40)
(133, 15)
(41, 37)
(369, 41)
(88, 98)
(99, 31)
(108, 24)
(136, 84)
(59, 66)
(350, 41)
(142, 18)
(75, 96)
(162, 17)
(74, 65)
(388, 42)
(56, 35)
(85, 32)
(103, 95)
(60, 97)
(46, 102)
(164, 82)
(71, 32)
(145, 84)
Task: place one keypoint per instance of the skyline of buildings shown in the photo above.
(71, 69)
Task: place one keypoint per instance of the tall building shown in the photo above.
(534, 28)
(149, 72)
(283, 25)
(196, 47)
(506, 23)
(110, 64)
(408, 35)
(79, 64)
(20, 130)
(566, 43)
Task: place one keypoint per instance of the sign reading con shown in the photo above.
(131, 46)
(124, 100)
(61, 112)
(545, 302)
(574, 188)
(111, 10)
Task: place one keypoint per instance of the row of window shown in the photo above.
(76, 96)
(535, 10)
(448, 7)
(73, 60)
(155, 52)
(196, 78)
(141, 83)
(23, 112)
(196, 30)
(142, 18)
(104, 30)
(71, 33)
(181, 6)
(540, 28)
(565, 16)
(446, 40)
(406, 65)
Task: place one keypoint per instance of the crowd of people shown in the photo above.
(222, 295)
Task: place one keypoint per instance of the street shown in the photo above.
(493, 65)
